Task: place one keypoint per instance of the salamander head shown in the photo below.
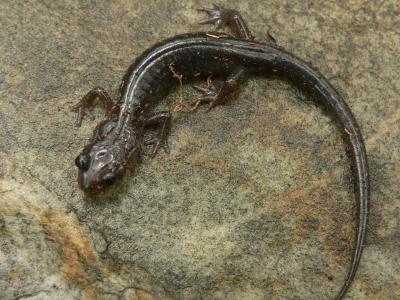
(103, 162)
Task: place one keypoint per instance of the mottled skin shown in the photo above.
(117, 141)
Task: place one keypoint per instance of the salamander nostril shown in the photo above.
(82, 161)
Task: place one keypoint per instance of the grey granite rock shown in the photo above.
(255, 200)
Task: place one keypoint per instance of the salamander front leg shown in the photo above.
(218, 93)
(84, 106)
(162, 119)
(222, 17)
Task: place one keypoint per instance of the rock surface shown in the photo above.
(255, 200)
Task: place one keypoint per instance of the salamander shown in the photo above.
(118, 140)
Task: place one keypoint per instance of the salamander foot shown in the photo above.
(219, 92)
(84, 107)
(222, 17)
(211, 94)
(158, 142)
(162, 119)
(217, 16)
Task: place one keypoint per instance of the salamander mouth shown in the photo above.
(95, 188)
(88, 186)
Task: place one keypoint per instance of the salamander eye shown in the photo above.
(109, 179)
(82, 161)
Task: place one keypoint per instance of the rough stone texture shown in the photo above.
(255, 200)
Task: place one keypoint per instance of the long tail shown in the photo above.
(362, 191)
(320, 87)
(337, 105)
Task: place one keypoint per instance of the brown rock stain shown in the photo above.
(77, 257)
(143, 295)
(75, 251)
(76, 254)
(79, 263)
(15, 275)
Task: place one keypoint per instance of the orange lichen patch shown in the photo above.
(289, 199)
(330, 234)
(307, 225)
(304, 221)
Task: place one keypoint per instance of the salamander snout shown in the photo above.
(98, 169)
(102, 163)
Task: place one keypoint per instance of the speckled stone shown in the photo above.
(255, 200)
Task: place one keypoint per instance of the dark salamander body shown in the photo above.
(117, 141)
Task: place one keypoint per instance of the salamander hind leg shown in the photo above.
(218, 92)
(222, 17)
(162, 119)
(84, 106)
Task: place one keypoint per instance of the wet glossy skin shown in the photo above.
(105, 160)
(117, 141)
